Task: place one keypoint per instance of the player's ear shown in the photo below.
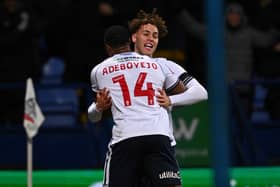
(109, 50)
(133, 38)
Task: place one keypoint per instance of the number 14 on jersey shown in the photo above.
(149, 92)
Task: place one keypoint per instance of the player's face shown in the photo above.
(234, 19)
(146, 39)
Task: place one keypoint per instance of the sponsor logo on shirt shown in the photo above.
(169, 175)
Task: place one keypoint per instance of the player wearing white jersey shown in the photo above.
(194, 93)
(140, 142)
(146, 30)
(133, 81)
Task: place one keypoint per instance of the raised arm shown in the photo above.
(191, 25)
(263, 39)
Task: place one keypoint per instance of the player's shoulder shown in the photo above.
(160, 59)
(164, 60)
(131, 56)
(145, 57)
(96, 67)
(170, 64)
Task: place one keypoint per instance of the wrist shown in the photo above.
(170, 101)
(98, 108)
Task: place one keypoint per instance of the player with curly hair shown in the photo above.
(146, 30)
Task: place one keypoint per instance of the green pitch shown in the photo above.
(241, 177)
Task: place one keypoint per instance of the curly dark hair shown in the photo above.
(116, 36)
(144, 18)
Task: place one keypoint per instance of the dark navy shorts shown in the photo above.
(131, 159)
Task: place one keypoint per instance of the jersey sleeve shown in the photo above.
(171, 80)
(93, 79)
(195, 93)
(179, 71)
(93, 114)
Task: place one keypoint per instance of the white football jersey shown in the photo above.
(133, 81)
(177, 71)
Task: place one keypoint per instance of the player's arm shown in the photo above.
(93, 114)
(172, 84)
(191, 25)
(177, 88)
(102, 102)
(101, 98)
(194, 91)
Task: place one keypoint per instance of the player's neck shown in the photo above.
(122, 50)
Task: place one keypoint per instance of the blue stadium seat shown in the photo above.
(259, 96)
(59, 105)
(61, 120)
(259, 114)
(65, 149)
(53, 71)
